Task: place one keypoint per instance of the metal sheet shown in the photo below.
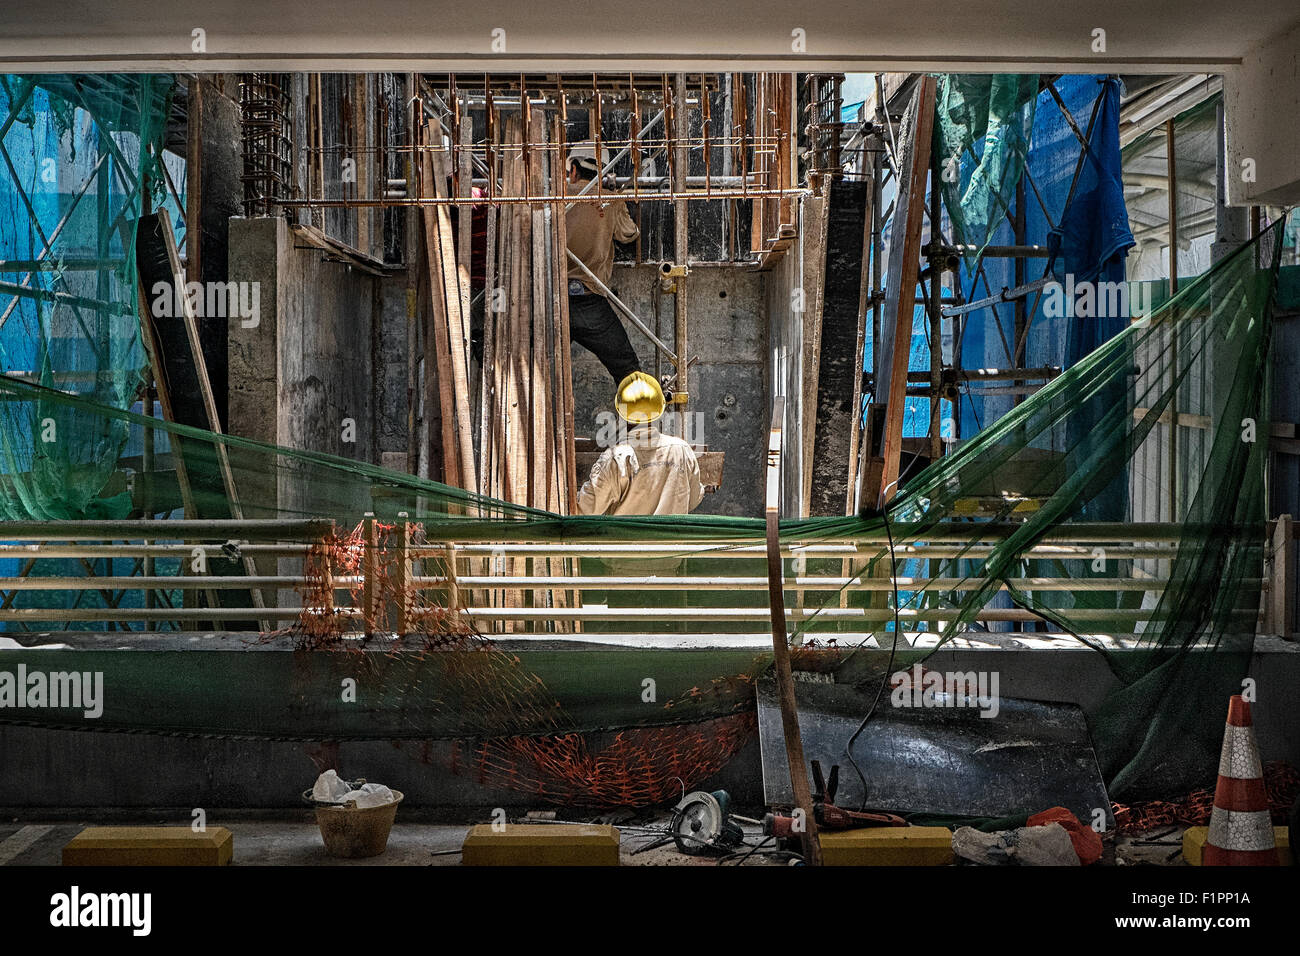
(1027, 757)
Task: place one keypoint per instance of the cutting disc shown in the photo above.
(697, 822)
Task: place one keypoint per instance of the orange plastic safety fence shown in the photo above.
(1281, 785)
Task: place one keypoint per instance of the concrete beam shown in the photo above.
(1263, 97)
(1157, 36)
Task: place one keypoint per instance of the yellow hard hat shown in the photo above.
(639, 399)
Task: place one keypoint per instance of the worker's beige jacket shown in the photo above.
(592, 228)
(649, 473)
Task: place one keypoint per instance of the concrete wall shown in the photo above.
(308, 365)
(391, 397)
(110, 773)
(729, 383)
(794, 280)
(313, 360)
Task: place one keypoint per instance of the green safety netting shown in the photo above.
(82, 159)
(1170, 598)
(982, 131)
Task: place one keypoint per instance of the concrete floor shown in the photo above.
(292, 843)
(298, 843)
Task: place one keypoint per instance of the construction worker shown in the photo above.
(593, 228)
(647, 472)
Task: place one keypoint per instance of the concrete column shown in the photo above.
(221, 196)
(1230, 222)
(1263, 99)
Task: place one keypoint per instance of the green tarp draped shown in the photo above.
(982, 130)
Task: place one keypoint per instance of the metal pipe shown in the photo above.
(758, 616)
(613, 162)
(615, 583)
(461, 529)
(670, 196)
(179, 528)
(603, 551)
(1006, 295)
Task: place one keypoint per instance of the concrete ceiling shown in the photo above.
(1153, 36)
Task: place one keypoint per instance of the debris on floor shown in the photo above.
(1026, 846)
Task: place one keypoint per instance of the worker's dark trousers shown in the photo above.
(594, 326)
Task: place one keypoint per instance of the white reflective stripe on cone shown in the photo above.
(1239, 757)
(1235, 830)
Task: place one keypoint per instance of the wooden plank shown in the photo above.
(781, 644)
(456, 297)
(515, 406)
(362, 131)
(438, 344)
(539, 376)
(564, 367)
(487, 377)
(904, 267)
(757, 234)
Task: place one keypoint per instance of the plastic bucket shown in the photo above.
(354, 832)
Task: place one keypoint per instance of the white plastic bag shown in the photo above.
(329, 788)
(370, 795)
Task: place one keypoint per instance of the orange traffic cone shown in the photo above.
(1241, 833)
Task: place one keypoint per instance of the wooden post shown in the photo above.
(370, 573)
(402, 573)
(904, 266)
(362, 140)
(453, 584)
(780, 643)
(442, 300)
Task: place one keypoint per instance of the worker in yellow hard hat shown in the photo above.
(646, 472)
(592, 227)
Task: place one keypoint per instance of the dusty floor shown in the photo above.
(298, 843)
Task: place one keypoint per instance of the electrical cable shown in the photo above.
(889, 667)
(754, 849)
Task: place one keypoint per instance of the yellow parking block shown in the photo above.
(539, 844)
(887, 846)
(149, 846)
(1194, 844)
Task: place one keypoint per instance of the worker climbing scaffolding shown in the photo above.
(593, 228)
